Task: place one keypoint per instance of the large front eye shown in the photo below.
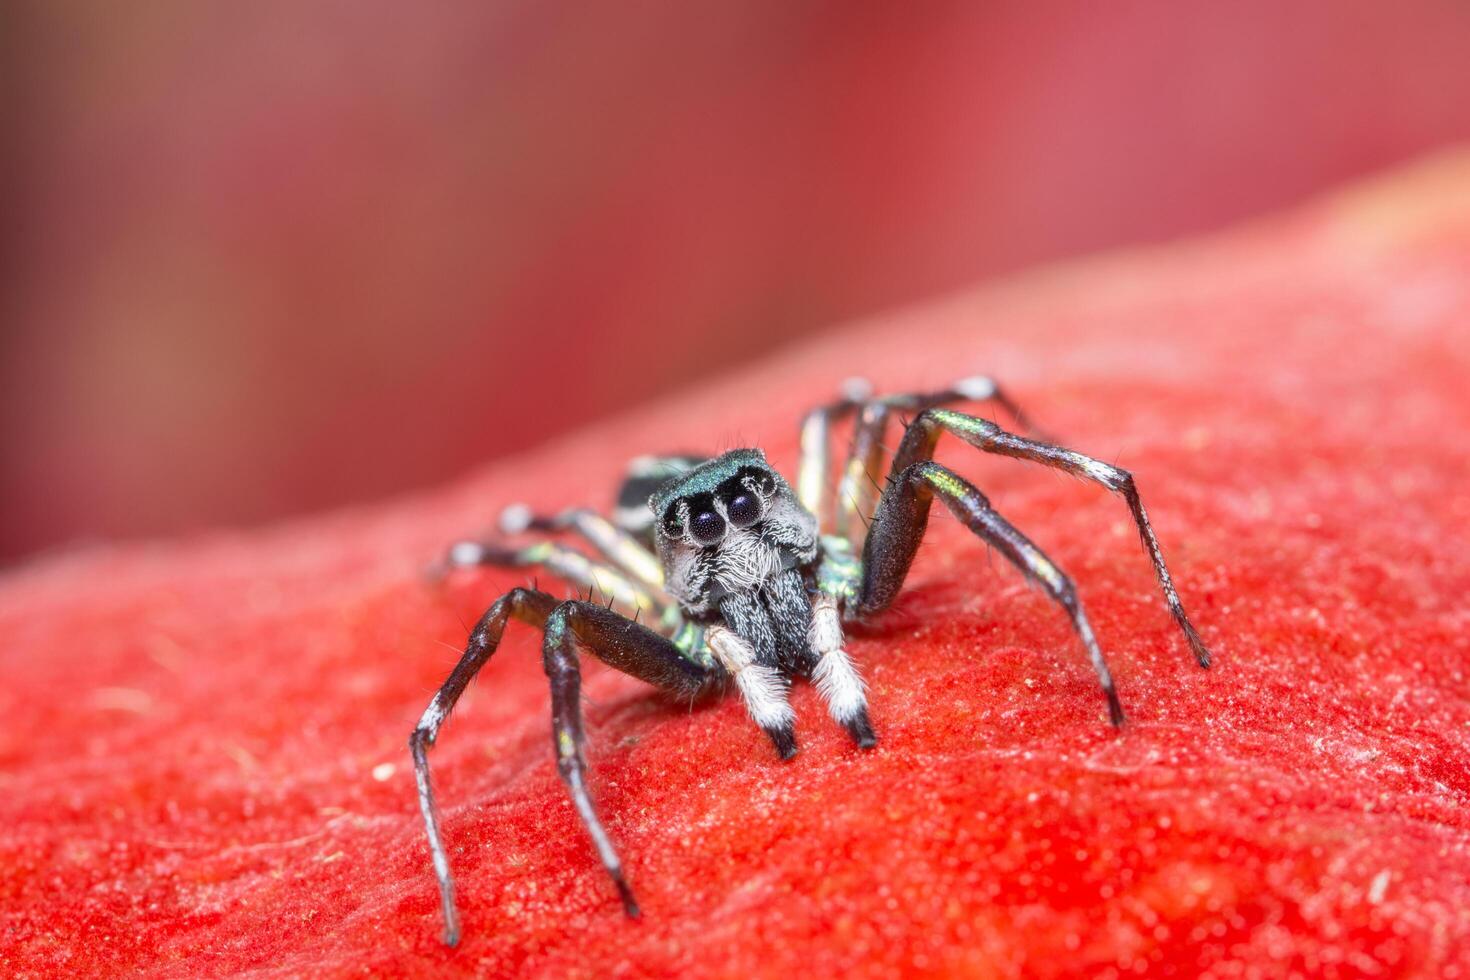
(706, 527)
(744, 509)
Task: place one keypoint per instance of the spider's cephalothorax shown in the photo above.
(744, 581)
(741, 554)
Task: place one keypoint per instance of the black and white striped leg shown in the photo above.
(612, 542)
(620, 642)
(528, 606)
(898, 527)
(816, 432)
(922, 436)
(837, 679)
(763, 688)
(859, 482)
(860, 472)
(581, 572)
(629, 647)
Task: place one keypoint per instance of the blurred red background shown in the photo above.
(265, 258)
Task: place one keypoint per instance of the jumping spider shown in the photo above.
(743, 580)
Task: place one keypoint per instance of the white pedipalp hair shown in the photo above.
(837, 680)
(762, 687)
(746, 560)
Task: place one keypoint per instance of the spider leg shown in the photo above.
(568, 564)
(626, 646)
(816, 429)
(858, 486)
(923, 435)
(618, 641)
(527, 605)
(898, 527)
(761, 685)
(837, 680)
(612, 542)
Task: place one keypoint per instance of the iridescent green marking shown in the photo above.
(1035, 562)
(689, 638)
(566, 746)
(707, 477)
(841, 572)
(537, 553)
(946, 482)
(960, 422)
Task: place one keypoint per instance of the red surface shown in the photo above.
(204, 747)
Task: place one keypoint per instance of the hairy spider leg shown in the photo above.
(613, 639)
(612, 542)
(859, 482)
(816, 431)
(837, 680)
(576, 569)
(923, 435)
(626, 646)
(763, 688)
(898, 527)
(527, 605)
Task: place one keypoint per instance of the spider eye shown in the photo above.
(744, 509)
(707, 527)
(673, 527)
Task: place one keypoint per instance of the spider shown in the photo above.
(744, 581)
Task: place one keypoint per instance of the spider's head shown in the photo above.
(726, 525)
(699, 508)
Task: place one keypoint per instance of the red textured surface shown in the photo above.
(204, 760)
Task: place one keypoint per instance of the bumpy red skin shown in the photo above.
(204, 762)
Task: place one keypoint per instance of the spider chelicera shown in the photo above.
(731, 577)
